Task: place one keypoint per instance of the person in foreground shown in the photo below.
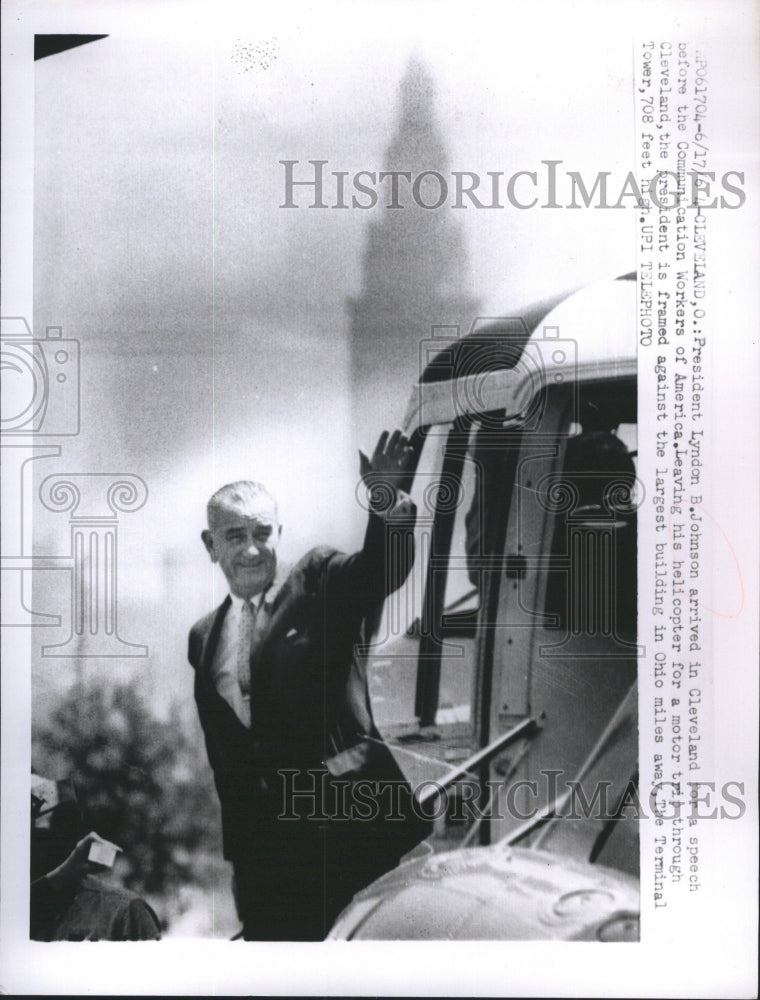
(67, 899)
(313, 804)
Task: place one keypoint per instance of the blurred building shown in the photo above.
(415, 272)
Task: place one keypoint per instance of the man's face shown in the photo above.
(243, 540)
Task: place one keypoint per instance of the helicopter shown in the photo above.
(503, 673)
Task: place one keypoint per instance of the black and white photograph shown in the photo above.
(380, 500)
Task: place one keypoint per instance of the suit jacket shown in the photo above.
(309, 703)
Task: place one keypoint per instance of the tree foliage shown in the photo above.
(142, 782)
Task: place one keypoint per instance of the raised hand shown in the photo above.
(383, 473)
(389, 458)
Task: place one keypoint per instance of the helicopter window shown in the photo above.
(394, 647)
(473, 554)
(462, 593)
(591, 583)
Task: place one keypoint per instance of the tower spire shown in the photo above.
(415, 272)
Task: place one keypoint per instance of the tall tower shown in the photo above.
(415, 267)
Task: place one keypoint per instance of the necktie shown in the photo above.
(245, 639)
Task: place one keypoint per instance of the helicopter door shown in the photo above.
(422, 654)
(564, 634)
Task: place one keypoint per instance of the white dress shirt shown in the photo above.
(224, 668)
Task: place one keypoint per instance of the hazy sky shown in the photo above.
(213, 322)
(214, 319)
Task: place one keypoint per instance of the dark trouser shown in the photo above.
(293, 877)
(281, 886)
(296, 879)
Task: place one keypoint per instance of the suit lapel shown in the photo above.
(212, 641)
(272, 621)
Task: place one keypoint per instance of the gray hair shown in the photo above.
(238, 494)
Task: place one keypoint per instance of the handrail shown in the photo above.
(528, 728)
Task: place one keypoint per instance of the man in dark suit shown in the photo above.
(283, 703)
